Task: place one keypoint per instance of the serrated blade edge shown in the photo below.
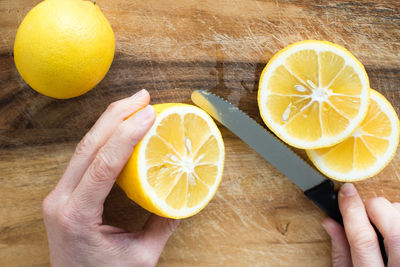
(257, 137)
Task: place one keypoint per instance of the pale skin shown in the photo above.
(357, 244)
(73, 210)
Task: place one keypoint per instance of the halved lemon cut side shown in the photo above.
(176, 168)
(313, 94)
(368, 150)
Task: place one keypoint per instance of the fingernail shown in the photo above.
(348, 190)
(139, 94)
(145, 114)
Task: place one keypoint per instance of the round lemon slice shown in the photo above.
(176, 168)
(313, 94)
(368, 150)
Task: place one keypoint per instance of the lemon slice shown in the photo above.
(313, 94)
(176, 168)
(369, 149)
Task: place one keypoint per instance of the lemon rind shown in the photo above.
(383, 160)
(278, 59)
(160, 207)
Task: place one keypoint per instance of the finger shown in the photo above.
(362, 238)
(387, 219)
(341, 256)
(396, 205)
(156, 232)
(98, 136)
(111, 158)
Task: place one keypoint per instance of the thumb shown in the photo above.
(156, 232)
(341, 256)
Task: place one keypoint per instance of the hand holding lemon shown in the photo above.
(73, 211)
(64, 48)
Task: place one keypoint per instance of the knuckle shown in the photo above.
(48, 207)
(363, 240)
(104, 167)
(87, 143)
(67, 218)
(113, 107)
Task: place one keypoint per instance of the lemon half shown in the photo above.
(176, 168)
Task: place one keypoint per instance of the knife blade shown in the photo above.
(315, 186)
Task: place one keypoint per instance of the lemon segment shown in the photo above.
(368, 150)
(176, 168)
(313, 94)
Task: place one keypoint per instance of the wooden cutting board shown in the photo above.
(172, 47)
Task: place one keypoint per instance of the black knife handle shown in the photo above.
(326, 198)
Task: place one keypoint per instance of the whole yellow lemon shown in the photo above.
(64, 48)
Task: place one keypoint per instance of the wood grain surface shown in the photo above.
(172, 47)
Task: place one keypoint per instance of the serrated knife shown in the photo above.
(315, 186)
